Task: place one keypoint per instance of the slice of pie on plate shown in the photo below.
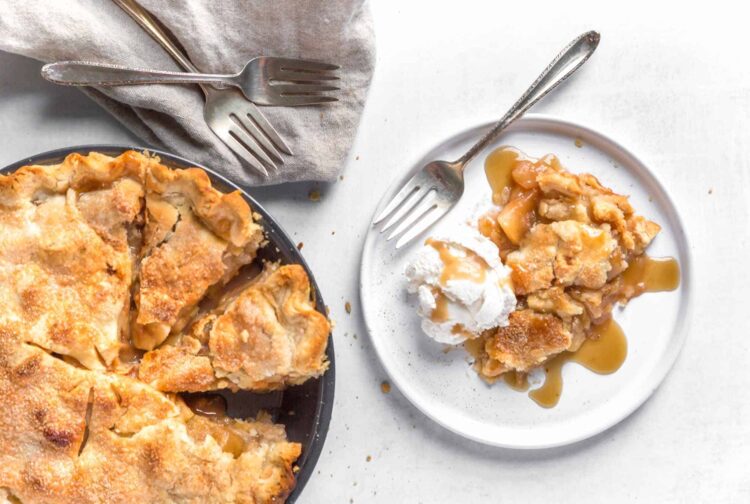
(266, 338)
(567, 240)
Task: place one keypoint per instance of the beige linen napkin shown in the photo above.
(220, 36)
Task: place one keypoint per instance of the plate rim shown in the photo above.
(679, 332)
(327, 383)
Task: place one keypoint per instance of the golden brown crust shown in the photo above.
(195, 238)
(267, 338)
(226, 214)
(174, 278)
(65, 266)
(76, 240)
(562, 253)
(181, 368)
(81, 436)
(78, 172)
(528, 340)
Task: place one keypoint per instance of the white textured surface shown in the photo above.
(671, 83)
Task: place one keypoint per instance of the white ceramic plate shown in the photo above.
(443, 385)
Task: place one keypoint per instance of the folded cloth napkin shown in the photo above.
(219, 37)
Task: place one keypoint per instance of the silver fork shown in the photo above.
(437, 187)
(265, 80)
(236, 121)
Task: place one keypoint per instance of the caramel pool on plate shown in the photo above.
(606, 348)
(603, 353)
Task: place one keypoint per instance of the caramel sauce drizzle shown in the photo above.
(652, 274)
(499, 167)
(440, 313)
(517, 381)
(468, 267)
(605, 348)
(474, 346)
(603, 353)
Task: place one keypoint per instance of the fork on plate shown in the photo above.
(265, 80)
(437, 187)
(235, 120)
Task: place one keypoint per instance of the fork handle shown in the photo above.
(148, 23)
(563, 66)
(84, 73)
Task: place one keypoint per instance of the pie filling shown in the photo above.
(267, 337)
(103, 263)
(575, 249)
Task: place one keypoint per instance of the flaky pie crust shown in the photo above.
(268, 337)
(102, 260)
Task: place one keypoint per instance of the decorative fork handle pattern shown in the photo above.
(84, 73)
(563, 66)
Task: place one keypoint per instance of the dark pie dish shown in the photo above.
(305, 409)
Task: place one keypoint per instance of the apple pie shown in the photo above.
(194, 238)
(67, 239)
(567, 240)
(266, 338)
(104, 265)
(75, 435)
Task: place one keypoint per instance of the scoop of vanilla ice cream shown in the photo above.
(470, 306)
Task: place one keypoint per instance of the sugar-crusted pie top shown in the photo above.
(99, 255)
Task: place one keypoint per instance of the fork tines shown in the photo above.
(245, 130)
(301, 82)
(280, 81)
(417, 206)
